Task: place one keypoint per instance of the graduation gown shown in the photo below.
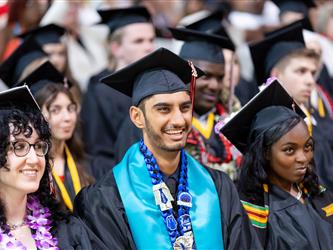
(100, 207)
(245, 90)
(293, 225)
(283, 222)
(103, 110)
(73, 234)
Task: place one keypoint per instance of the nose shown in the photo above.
(32, 157)
(310, 80)
(178, 119)
(67, 115)
(214, 83)
(301, 156)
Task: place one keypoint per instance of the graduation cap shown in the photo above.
(43, 75)
(271, 106)
(278, 44)
(299, 6)
(118, 18)
(211, 24)
(18, 97)
(12, 68)
(159, 72)
(50, 33)
(201, 46)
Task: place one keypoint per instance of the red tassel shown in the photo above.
(193, 82)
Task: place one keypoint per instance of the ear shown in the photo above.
(137, 117)
(274, 72)
(115, 49)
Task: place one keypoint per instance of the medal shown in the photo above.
(162, 196)
(184, 199)
(184, 242)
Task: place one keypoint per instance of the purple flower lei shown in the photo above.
(39, 221)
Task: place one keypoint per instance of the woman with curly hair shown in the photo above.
(59, 107)
(29, 214)
(278, 185)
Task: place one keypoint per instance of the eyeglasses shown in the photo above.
(22, 148)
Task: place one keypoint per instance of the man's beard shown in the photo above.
(158, 141)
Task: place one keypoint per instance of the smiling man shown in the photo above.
(159, 197)
(206, 51)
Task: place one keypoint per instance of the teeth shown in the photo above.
(174, 132)
(29, 172)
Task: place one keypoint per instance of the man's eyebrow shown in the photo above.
(161, 104)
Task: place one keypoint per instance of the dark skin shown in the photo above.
(208, 87)
(290, 158)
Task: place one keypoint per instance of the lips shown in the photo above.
(301, 171)
(29, 172)
(175, 134)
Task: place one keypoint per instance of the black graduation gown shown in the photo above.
(103, 110)
(323, 150)
(101, 209)
(245, 90)
(326, 81)
(73, 234)
(128, 135)
(293, 225)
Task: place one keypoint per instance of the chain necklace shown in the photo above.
(17, 225)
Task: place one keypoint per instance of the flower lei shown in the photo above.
(178, 232)
(38, 220)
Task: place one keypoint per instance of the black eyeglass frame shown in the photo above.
(30, 145)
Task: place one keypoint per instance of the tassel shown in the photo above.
(193, 82)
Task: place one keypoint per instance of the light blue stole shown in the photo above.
(144, 216)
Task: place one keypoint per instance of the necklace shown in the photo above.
(17, 225)
(39, 222)
(180, 230)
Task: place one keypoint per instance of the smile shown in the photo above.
(29, 172)
(174, 132)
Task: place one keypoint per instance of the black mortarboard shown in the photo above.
(117, 18)
(18, 97)
(280, 43)
(271, 106)
(12, 68)
(299, 6)
(159, 72)
(50, 33)
(201, 46)
(44, 74)
(211, 24)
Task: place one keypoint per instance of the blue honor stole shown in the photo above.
(144, 216)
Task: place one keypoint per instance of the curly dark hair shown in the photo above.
(255, 166)
(23, 122)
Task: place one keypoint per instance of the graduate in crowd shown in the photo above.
(158, 196)
(283, 55)
(26, 58)
(59, 107)
(103, 109)
(51, 38)
(30, 218)
(205, 51)
(244, 90)
(278, 185)
(210, 149)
